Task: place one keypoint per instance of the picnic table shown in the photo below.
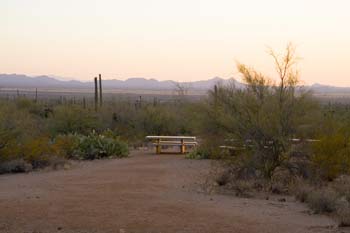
(181, 141)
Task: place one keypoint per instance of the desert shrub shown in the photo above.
(30, 106)
(301, 190)
(322, 200)
(199, 153)
(15, 166)
(331, 156)
(224, 177)
(264, 115)
(66, 145)
(281, 180)
(56, 162)
(72, 119)
(96, 146)
(244, 188)
(16, 127)
(326, 197)
(37, 151)
(158, 121)
(228, 181)
(343, 213)
(342, 186)
(301, 194)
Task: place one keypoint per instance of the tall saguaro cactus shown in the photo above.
(215, 95)
(36, 95)
(84, 103)
(96, 94)
(100, 83)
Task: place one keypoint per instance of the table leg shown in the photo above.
(183, 149)
(158, 147)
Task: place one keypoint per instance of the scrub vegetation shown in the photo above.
(270, 136)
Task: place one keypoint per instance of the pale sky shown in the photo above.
(183, 40)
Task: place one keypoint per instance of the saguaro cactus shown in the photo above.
(96, 94)
(215, 95)
(100, 82)
(84, 103)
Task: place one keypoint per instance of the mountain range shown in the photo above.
(24, 81)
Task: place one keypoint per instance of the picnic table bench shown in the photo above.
(181, 141)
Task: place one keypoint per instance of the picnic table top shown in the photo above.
(171, 137)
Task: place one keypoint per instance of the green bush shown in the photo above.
(199, 153)
(332, 156)
(95, 146)
(72, 119)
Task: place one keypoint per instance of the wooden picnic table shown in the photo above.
(181, 141)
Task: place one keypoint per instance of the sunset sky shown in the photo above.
(183, 40)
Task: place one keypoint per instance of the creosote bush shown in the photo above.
(328, 198)
(322, 200)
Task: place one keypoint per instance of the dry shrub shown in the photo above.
(57, 162)
(15, 166)
(244, 188)
(301, 190)
(230, 180)
(281, 180)
(342, 186)
(224, 177)
(343, 213)
(322, 200)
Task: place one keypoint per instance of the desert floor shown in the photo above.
(145, 193)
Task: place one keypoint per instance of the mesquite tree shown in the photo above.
(264, 115)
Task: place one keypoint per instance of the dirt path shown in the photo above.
(142, 194)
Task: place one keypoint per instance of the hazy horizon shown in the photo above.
(167, 40)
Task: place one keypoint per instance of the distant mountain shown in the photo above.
(23, 81)
(320, 88)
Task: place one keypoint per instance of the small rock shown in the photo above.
(59, 228)
(282, 200)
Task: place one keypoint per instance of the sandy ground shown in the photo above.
(146, 193)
